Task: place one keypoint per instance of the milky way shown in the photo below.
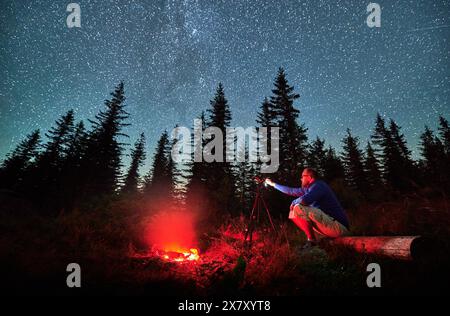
(172, 54)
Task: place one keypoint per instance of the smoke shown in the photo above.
(172, 230)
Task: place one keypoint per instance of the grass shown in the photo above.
(108, 244)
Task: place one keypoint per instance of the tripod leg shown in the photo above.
(268, 213)
(250, 226)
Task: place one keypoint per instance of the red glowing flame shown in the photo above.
(173, 233)
(192, 255)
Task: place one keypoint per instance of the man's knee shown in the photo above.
(300, 211)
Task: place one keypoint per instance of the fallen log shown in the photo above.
(396, 247)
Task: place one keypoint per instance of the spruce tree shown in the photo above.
(16, 163)
(49, 163)
(444, 137)
(72, 177)
(175, 173)
(158, 181)
(332, 166)
(433, 155)
(219, 114)
(402, 147)
(220, 178)
(372, 168)
(352, 158)
(316, 156)
(77, 143)
(265, 118)
(59, 138)
(401, 156)
(293, 139)
(197, 172)
(387, 152)
(137, 160)
(102, 164)
(245, 184)
(444, 133)
(380, 133)
(266, 115)
(44, 183)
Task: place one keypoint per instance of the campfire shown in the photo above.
(181, 256)
(172, 236)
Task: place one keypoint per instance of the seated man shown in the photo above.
(317, 208)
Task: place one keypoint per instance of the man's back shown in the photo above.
(321, 196)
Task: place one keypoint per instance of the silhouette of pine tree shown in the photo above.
(71, 174)
(159, 185)
(396, 164)
(293, 139)
(388, 154)
(444, 133)
(219, 114)
(59, 137)
(50, 161)
(196, 174)
(316, 156)
(332, 166)
(266, 115)
(175, 172)
(245, 184)
(399, 140)
(220, 178)
(405, 168)
(352, 158)
(137, 160)
(16, 163)
(380, 134)
(102, 164)
(76, 145)
(46, 176)
(266, 118)
(372, 168)
(434, 164)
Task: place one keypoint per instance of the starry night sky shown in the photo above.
(172, 54)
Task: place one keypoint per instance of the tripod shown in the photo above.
(258, 205)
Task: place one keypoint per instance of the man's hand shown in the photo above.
(270, 182)
(295, 202)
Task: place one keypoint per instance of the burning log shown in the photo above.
(396, 247)
(182, 255)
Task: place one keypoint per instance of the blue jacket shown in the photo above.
(318, 195)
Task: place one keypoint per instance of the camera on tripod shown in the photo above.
(259, 205)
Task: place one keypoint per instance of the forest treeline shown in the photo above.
(78, 167)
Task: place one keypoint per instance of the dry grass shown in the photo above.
(115, 260)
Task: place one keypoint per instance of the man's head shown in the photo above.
(309, 175)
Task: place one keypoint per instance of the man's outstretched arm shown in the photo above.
(285, 189)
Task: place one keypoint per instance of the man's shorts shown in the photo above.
(322, 222)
